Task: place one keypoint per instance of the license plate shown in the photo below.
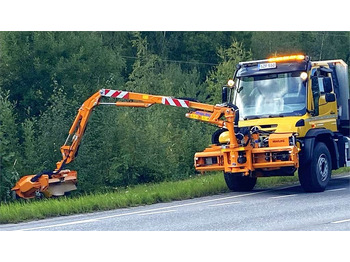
(266, 66)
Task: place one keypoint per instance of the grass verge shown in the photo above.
(134, 196)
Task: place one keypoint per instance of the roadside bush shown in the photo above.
(9, 148)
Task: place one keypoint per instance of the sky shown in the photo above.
(180, 15)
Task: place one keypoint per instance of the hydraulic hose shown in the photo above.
(49, 173)
(37, 176)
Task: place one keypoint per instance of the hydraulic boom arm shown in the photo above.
(60, 181)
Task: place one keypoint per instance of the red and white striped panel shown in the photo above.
(175, 102)
(114, 93)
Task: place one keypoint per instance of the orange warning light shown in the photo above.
(286, 58)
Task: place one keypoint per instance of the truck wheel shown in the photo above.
(315, 176)
(238, 182)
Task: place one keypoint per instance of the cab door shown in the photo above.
(323, 102)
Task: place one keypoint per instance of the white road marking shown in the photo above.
(282, 196)
(158, 212)
(226, 203)
(90, 220)
(337, 189)
(64, 224)
(341, 221)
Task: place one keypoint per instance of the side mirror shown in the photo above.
(330, 97)
(327, 85)
(224, 94)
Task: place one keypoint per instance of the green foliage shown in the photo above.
(217, 78)
(29, 145)
(8, 147)
(97, 149)
(318, 45)
(53, 126)
(157, 143)
(33, 63)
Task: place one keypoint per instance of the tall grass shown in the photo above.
(134, 196)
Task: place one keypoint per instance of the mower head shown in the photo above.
(47, 184)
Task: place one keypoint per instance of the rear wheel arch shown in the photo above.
(332, 148)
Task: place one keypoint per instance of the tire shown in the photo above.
(315, 176)
(238, 182)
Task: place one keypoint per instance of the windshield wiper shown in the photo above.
(239, 89)
(276, 115)
(251, 117)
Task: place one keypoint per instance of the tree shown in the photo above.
(318, 45)
(52, 129)
(267, 44)
(9, 151)
(194, 49)
(157, 143)
(218, 77)
(32, 63)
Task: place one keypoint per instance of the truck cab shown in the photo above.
(293, 94)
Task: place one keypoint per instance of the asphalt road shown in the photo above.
(277, 209)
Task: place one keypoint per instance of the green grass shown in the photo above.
(134, 196)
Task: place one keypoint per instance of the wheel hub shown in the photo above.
(322, 166)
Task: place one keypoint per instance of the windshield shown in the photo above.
(271, 95)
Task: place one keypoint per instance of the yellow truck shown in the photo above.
(293, 95)
(277, 115)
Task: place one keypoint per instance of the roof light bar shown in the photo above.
(286, 58)
(275, 59)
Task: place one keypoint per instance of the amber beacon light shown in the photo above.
(286, 58)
